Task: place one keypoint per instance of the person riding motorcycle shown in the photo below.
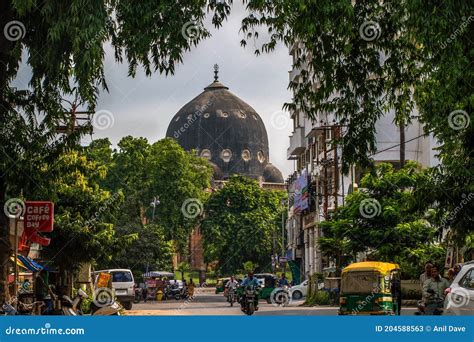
(251, 282)
(434, 290)
(283, 281)
(231, 285)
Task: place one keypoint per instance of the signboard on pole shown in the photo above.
(38, 218)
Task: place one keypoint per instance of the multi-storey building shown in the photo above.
(317, 162)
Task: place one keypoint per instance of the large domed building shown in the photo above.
(227, 131)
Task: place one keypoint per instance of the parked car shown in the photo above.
(460, 295)
(123, 286)
(299, 291)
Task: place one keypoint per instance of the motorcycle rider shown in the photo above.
(231, 285)
(423, 278)
(434, 287)
(251, 282)
(283, 281)
(426, 275)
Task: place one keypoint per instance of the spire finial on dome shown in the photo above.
(216, 72)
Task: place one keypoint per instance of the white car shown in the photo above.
(299, 291)
(460, 295)
(123, 285)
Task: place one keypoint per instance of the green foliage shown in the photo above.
(183, 267)
(364, 58)
(84, 212)
(318, 298)
(241, 221)
(65, 42)
(65, 47)
(350, 71)
(249, 266)
(142, 247)
(385, 220)
(143, 171)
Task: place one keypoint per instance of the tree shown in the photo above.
(31, 149)
(183, 267)
(64, 43)
(365, 57)
(240, 222)
(249, 266)
(144, 171)
(446, 102)
(385, 220)
(357, 61)
(145, 249)
(84, 213)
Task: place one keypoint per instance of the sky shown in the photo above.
(143, 106)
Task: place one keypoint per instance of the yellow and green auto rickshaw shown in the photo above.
(370, 288)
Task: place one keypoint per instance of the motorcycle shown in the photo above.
(434, 307)
(231, 296)
(249, 303)
(173, 291)
(73, 307)
(33, 309)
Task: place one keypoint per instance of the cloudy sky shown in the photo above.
(144, 106)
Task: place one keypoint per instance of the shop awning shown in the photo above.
(18, 262)
(30, 264)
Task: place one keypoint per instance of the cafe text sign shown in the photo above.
(38, 218)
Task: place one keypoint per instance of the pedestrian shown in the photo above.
(457, 269)
(191, 287)
(451, 275)
(42, 291)
(145, 293)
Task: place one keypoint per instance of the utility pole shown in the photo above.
(76, 119)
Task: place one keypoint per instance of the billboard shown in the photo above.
(301, 193)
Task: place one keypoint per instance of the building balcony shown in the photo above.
(297, 143)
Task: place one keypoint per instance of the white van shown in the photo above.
(123, 285)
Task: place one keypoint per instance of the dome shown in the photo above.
(224, 129)
(271, 174)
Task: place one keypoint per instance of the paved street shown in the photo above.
(208, 303)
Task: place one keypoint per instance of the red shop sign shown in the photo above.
(38, 217)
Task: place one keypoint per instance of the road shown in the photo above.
(208, 303)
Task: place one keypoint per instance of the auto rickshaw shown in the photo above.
(370, 288)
